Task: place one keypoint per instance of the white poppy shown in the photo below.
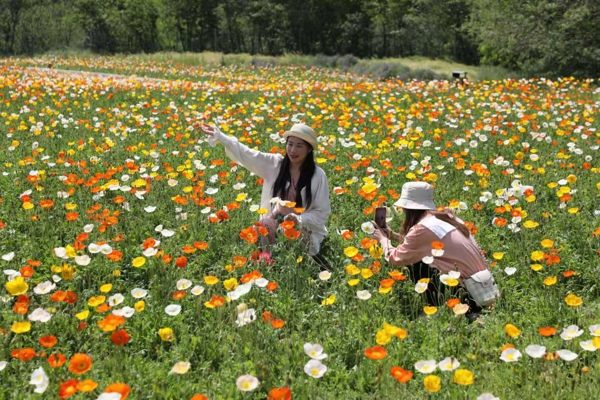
(44, 287)
(139, 293)
(261, 282)
(83, 260)
(150, 209)
(180, 368)
(421, 287)
(211, 191)
(571, 332)
(183, 284)
(363, 294)
(510, 270)
(9, 256)
(88, 228)
(197, 290)
(167, 233)
(487, 396)
(367, 228)
(39, 315)
(115, 299)
(126, 312)
(427, 259)
(110, 396)
(567, 355)
(3, 365)
(173, 309)
(92, 248)
(510, 355)
(40, 380)
(314, 351)
(106, 249)
(315, 368)
(448, 364)
(426, 366)
(460, 309)
(535, 351)
(588, 345)
(324, 275)
(595, 330)
(246, 383)
(150, 252)
(245, 317)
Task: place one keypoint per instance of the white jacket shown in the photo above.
(266, 166)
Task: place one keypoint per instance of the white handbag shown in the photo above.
(482, 288)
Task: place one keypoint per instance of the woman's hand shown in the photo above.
(292, 217)
(207, 129)
(380, 233)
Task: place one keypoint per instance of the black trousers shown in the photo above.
(436, 290)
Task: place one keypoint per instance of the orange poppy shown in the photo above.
(25, 354)
(46, 204)
(272, 286)
(120, 337)
(507, 346)
(452, 302)
(201, 245)
(71, 297)
(376, 352)
(120, 388)
(68, 388)
(72, 216)
(267, 317)
(199, 397)
(278, 323)
(291, 234)
(111, 322)
(547, 331)
(102, 308)
(187, 249)
(87, 385)
(21, 305)
(283, 393)
(249, 235)
(114, 255)
(386, 283)
(401, 375)
(250, 276)
(167, 258)
(80, 364)
(239, 261)
(366, 243)
(288, 224)
(48, 341)
(26, 272)
(34, 263)
(568, 274)
(57, 360)
(437, 245)
(181, 262)
(179, 295)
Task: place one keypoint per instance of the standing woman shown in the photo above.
(293, 177)
(422, 226)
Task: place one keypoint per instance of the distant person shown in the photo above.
(423, 226)
(293, 177)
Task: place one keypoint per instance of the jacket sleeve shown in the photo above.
(416, 245)
(320, 208)
(259, 163)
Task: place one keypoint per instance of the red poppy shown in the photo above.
(120, 337)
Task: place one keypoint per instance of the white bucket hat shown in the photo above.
(303, 132)
(416, 196)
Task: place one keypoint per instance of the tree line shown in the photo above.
(550, 37)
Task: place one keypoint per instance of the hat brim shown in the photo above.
(411, 205)
(308, 139)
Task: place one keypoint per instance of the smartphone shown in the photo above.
(380, 217)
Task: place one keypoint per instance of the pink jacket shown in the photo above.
(460, 253)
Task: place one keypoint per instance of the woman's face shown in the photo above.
(297, 150)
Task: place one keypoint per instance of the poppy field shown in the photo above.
(130, 259)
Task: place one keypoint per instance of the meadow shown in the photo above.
(129, 270)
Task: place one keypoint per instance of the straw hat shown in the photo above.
(303, 132)
(416, 196)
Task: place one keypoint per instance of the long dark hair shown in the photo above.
(412, 217)
(307, 170)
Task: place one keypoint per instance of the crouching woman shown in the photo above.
(458, 252)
